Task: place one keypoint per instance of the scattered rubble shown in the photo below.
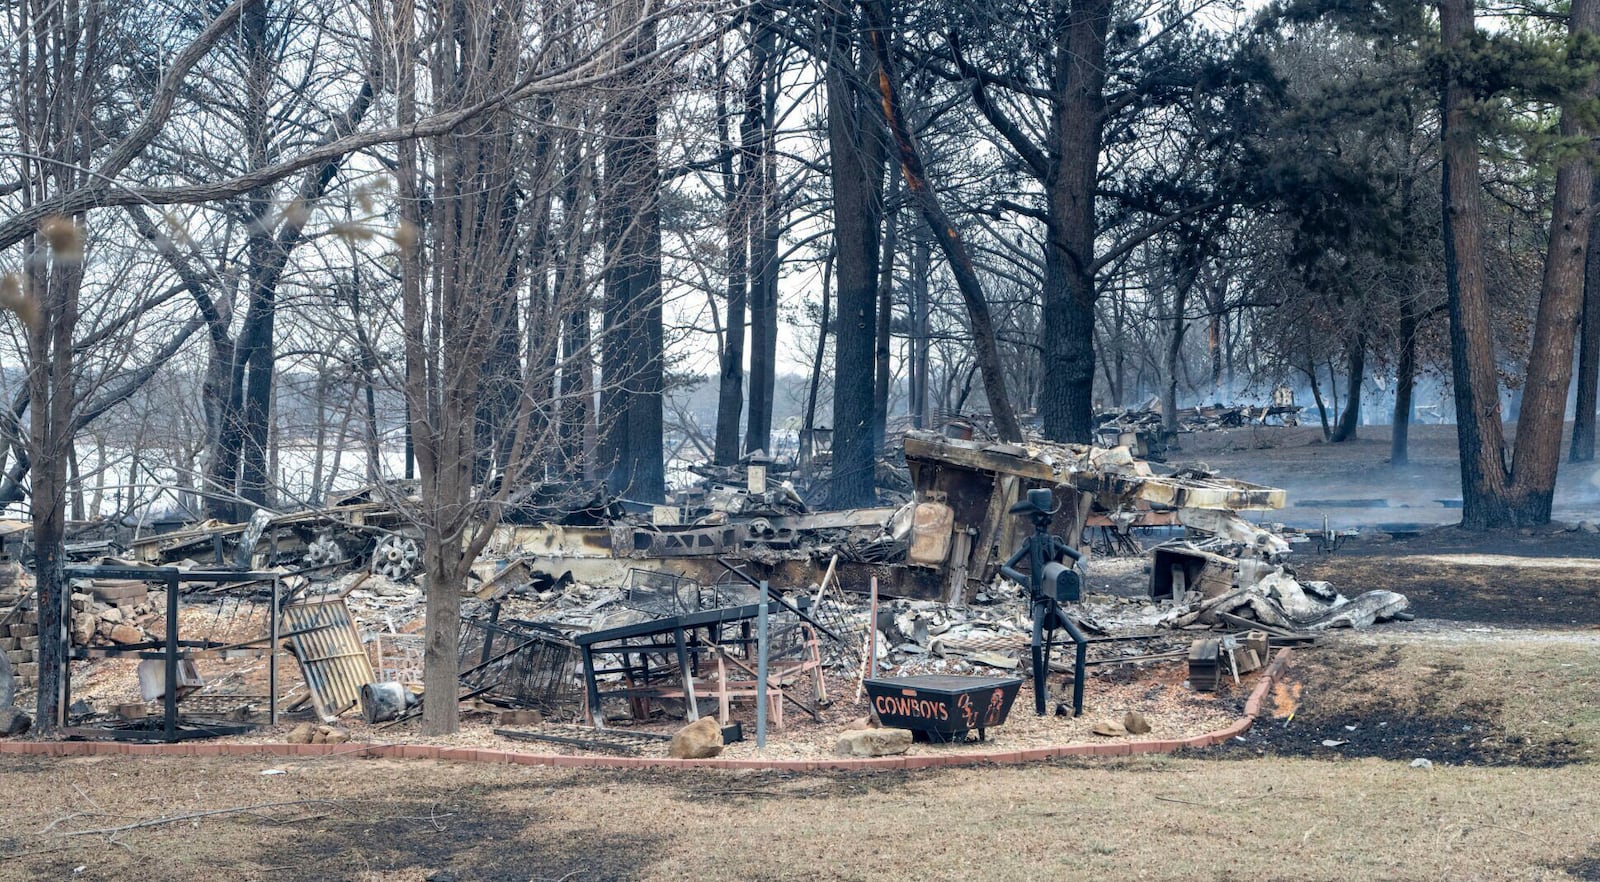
(572, 577)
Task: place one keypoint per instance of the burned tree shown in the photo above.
(632, 346)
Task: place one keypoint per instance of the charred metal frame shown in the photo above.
(172, 650)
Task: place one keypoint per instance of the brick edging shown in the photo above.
(1252, 708)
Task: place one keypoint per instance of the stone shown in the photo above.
(126, 634)
(995, 660)
(111, 614)
(83, 627)
(1109, 728)
(332, 735)
(520, 717)
(107, 590)
(1420, 763)
(13, 722)
(700, 739)
(873, 742)
(1135, 723)
(301, 734)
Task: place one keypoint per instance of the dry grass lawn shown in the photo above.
(1159, 818)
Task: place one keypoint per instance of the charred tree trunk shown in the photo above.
(920, 332)
(1350, 418)
(502, 370)
(857, 167)
(1066, 405)
(632, 347)
(881, 362)
(573, 302)
(1169, 389)
(1322, 405)
(807, 436)
(730, 393)
(764, 233)
(1404, 384)
(1583, 424)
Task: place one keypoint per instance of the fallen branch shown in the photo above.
(156, 822)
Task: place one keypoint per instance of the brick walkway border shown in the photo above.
(1252, 708)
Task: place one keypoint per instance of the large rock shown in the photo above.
(13, 722)
(301, 734)
(83, 627)
(873, 742)
(700, 739)
(1135, 723)
(1109, 729)
(126, 634)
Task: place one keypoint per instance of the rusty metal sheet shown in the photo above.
(332, 660)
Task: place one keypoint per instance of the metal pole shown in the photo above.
(596, 719)
(872, 632)
(171, 702)
(761, 669)
(685, 670)
(272, 654)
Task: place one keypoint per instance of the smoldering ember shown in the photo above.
(658, 440)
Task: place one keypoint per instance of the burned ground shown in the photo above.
(1511, 579)
(1446, 703)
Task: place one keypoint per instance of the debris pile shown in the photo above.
(1232, 572)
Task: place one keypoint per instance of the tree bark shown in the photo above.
(632, 346)
(730, 394)
(1350, 418)
(1542, 413)
(920, 332)
(1479, 434)
(1583, 424)
(1066, 402)
(881, 362)
(857, 153)
(808, 446)
(1169, 389)
(1404, 385)
(764, 233)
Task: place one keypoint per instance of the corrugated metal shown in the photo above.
(332, 659)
